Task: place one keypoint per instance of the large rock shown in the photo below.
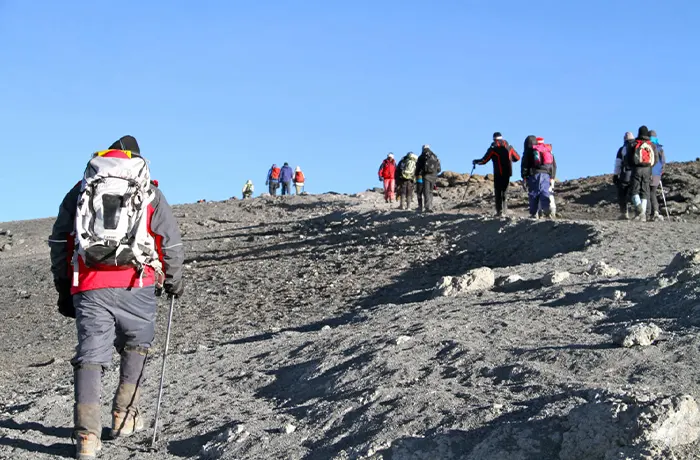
(629, 426)
(480, 279)
(554, 278)
(684, 260)
(641, 335)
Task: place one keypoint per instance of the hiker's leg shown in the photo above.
(392, 189)
(428, 185)
(419, 195)
(497, 193)
(135, 316)
(544, 193)
(96, 333)
(622, 196)
(409, 193)
(533, 194)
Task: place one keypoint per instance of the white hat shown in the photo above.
(298, 169)
(391, 155)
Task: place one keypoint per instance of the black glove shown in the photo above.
(65, 298)
(474, 162)
(616, 180)
(174, 288)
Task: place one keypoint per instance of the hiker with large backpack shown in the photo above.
(299, 180)
(248, 189)
(538, 170)
(286, 176)
(427, 168)
(387, 175)
(656, 172)
(405, 178)
(641, 158)
(273, 179)
(502, 154)
(622, 175)
(115, 244)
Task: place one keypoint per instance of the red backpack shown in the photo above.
(275, 174)
(542, 155)
(299, 177)
(643, 153)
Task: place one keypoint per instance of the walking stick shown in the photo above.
(466, 186)
(162, 371)
(663, 195)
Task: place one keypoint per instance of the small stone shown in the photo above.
(554, 278)
(289, 428)
(6, 247)
(619, 296)
(400, 340)
(604, 270)
(508, 280)
(326, 328)
(643, 335)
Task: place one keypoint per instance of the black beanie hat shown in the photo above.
(652, 133)
(497, 135)
(127, 143)
(643, 131)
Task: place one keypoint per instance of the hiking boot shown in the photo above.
(124, 424)
(657, 217)
(624, 216)
(87, 445)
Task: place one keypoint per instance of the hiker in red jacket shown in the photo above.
(387, 174)
(112, 295)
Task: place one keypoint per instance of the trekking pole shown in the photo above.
(162, 370)
(663, 195)
(466, 186)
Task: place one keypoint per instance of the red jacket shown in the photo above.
(388, 169)
(162, 226)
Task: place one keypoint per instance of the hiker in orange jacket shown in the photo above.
(387, 174)
(299, 181)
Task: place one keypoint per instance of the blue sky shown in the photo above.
(216, 91)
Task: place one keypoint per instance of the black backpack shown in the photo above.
(432, 164)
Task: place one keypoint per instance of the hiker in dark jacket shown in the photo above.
(640, 190)
(286, 176)
(538, 169)
(502, 154)
(427, 168)
(656, 173)
(622, 175)
(112, 308)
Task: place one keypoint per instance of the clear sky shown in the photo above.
(216, 91)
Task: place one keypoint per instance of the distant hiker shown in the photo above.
(299, 181)
(427, 167)
(387, 175)
(405, 179)
(273, 179)
(641, 159)
(108, 283)
(286, 176)
(248, 189)
(622, 175)
(656, 173)
(538, 170)
(502, 154)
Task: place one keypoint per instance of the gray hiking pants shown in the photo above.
(428, 186)
(112, 317)
(106, 318)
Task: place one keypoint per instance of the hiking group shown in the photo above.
(115, 247)
(413, 174)
(639, 165)
(283, 177)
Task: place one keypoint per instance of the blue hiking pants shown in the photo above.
(538, 192)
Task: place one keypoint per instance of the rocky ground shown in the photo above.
(338, 327)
